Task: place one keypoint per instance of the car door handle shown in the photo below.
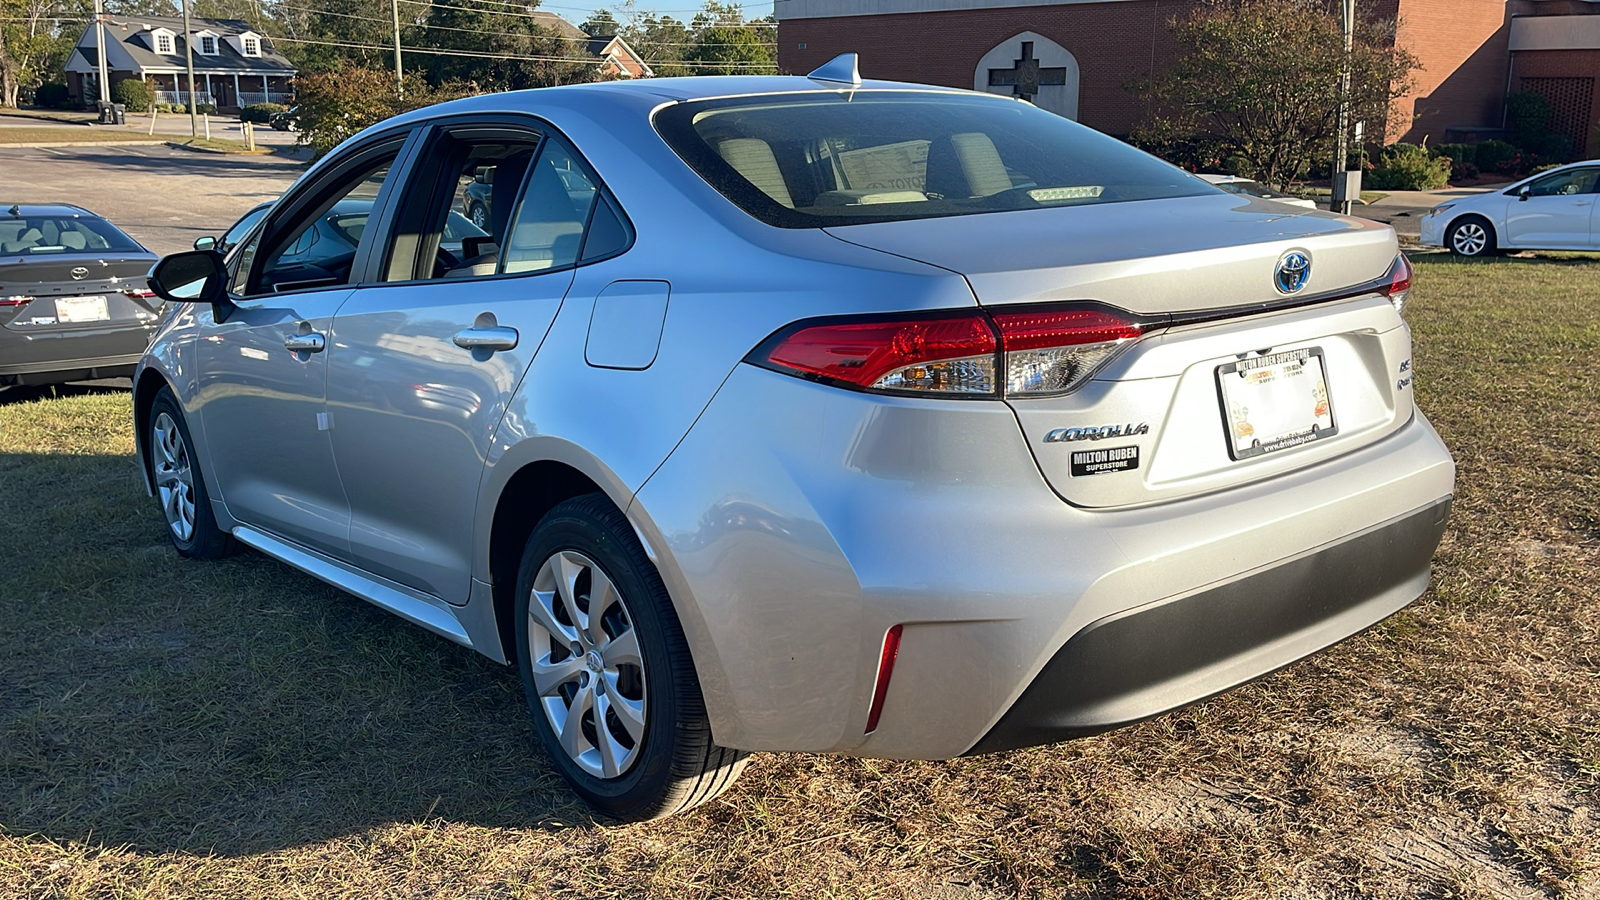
(497, 338)
(305, 343)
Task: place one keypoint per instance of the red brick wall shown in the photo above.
(1464, 48)
(1567, 64)
(1113, 42)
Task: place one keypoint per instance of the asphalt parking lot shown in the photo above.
(163, 196)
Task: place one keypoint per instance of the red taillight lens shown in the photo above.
(1043, 350)
(1399, 278)
(16, 300)
(1050, 351)
(945, 355)
(140, 293)
(880, 690)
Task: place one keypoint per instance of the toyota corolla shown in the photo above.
(822, 415)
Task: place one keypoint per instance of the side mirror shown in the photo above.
(193, 277)
(205, 243)
(1525, 192)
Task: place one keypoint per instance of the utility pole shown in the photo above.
(188, 54)
(1346, 186)
(100, 49)
(399, 80)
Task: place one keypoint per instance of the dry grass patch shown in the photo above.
(173, 729)
(47, 135)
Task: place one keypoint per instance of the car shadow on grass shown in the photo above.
(30, 393)
(230, 707)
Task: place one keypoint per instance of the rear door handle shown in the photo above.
(498, 337)
(305, 343)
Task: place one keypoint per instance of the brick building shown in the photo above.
(1077, 57)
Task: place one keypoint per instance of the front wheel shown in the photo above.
(180, 488)
(480, 217)
(607, 672)
(1471, 236)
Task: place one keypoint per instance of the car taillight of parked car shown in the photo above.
(1035, 351)
(15, 299)
(1399, 278)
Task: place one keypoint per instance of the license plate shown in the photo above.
(81, 309)
(1275, 402)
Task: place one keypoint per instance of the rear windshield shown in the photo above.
(810, 160)
(51, 235)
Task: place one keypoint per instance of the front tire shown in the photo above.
(607, 672)
(1471, 237)
(479, 217)
(180, 487)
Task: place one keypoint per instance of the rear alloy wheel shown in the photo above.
(1471, 236)
(607, 672)
(180, 488)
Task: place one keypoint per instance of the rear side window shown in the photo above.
(53, 235)
(815, 159)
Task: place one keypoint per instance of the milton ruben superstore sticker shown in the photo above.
(1103, 462)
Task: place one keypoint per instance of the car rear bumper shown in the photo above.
(1155, 658)
(54, 371)
(798, 523)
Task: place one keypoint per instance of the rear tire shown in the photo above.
(179, 485)
(1471, 237)
(607, 672)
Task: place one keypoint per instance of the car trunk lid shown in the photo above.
(72, 292)
(1157, 422)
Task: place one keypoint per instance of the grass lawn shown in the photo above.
(46, 134)
(237, 729)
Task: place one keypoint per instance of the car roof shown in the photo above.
(43, 209)
(677, 89)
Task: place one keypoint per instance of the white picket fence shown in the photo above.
(182, 96)
(248, 97)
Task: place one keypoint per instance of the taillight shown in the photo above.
(16, 300)
(1399, 279)
(139, 293)
(1051, 351)
(1028, 352)
(929, 355)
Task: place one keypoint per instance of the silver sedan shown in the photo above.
(805, 414)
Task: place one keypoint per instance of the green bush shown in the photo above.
(260, 113)
(1494, 156)
(133, 93)
(1539, 170)
(1528, 116)
(1409, 167)
(1463, 160)
(52, 95)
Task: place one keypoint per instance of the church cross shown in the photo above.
(1026, 76)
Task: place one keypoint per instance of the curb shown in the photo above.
(176, 145)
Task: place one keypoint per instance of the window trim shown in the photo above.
(426, 144)
(162, 36)
(200, 38)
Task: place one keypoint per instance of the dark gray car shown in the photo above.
(74, 301)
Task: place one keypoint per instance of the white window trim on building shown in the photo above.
(162, 41)
(200, 39)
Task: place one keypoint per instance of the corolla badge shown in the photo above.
(1294, 270)
(79, 273)
(1096, 433)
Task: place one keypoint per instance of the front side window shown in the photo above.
(242, 227)
(318, 248)
(1558, 184)
(812, 160)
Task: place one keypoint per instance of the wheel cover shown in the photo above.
(1470, 239)
(174, 476)
(587, 666)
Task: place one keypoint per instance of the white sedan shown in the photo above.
(1553, 210)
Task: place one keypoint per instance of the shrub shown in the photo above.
(1494, 156)
(1239, 166)
(1409, 167)
(1463, 171)
(133, 93)
(260, 113)
(1538, 170)
(52, 95)
(1527, 116)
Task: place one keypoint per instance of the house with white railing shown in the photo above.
(234, 65)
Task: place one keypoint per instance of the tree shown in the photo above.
(1259, 79)
(601, 23)
(34, 43)
(336, 103)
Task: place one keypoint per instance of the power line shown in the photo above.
(432, 27)
(523, 56)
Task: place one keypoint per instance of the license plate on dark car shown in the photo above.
(1275, 402)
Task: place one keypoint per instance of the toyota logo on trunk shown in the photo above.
(1294, 270)
(79, 273)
